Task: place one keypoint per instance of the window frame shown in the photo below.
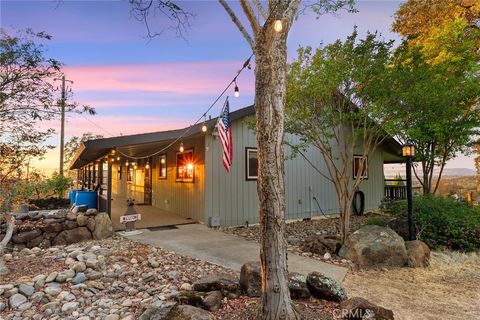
(365, 169)
(249, 177)
(160, 157)
(185, 180)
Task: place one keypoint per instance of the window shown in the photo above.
(120, 172)
(357, 161)
(251, 163)
(129, 174)
(185, 166)
(162, 167)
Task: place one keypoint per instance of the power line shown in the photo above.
(246, 64)
(97, 125)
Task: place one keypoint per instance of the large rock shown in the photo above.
(297, 283)
(374, 247)
(158, 310)
(212, 301)
(103, 226)
(91, 223)
(34, 242)
(320, 244)
(325, 288)
(51, 226)
(358, 308)
(72, 236)
(418, 254)
(251, 279)
(224, 282)
(82, 220)
(187, 312)
(23, 237)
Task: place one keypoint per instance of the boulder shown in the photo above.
(91, 212)
(321, 244)
(251, 279)
(212, 301)
(23, 237)
(418, 254)
(72, 236)
(82, 220)
(91, 224)
(158, 310)
(72, 216)
(323, 287)
(297, 283)
(69, 225)
(358, 308)
(35, 242)
(187, 312)
(224, 282)
(103, 226)
(51, 226)
(375, 247)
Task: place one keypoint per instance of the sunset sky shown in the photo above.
(137, 85)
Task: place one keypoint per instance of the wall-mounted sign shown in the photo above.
(130, 218)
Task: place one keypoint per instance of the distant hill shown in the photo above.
(391, 171)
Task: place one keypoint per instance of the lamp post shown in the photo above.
(408, 151)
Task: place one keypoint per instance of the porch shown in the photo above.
(151, 216)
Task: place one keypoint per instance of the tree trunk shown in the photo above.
(10, 226)
(270, 81)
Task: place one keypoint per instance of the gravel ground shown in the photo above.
(113, 279)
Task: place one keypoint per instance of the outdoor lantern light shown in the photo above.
(278, 25)
(237, 91)
(190, 166)
(408, 150)
(181, 147)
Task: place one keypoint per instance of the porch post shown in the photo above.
(109, 190)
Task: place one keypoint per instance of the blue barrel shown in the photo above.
(86, 198)
(72, 195)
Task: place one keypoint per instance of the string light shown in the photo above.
(113, 159)
(118, 158)
(126, 163)
(204, 126)
(278, 25)
(113, 151)
(237, 91)
(147, 166)
(135, 167)
(246, 65)
(162, 161)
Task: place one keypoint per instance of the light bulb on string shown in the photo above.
(278, 25)
(113, 159)
(147, 166)
(237, 91)
(118, 158)
(181, 147)
(204, 126)
(135, 167)
(126, 163)
(113, 151)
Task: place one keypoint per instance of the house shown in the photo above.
(193, 185)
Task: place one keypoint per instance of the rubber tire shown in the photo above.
(358, 195)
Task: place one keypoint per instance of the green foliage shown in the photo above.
(442, 222)
(377, 220)
(58, 184)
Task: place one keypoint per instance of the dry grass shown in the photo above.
(448, 289)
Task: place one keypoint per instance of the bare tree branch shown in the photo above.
(247, 8)
(237, 22)
(260, 9)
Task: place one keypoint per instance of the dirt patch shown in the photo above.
(448, 289)
(246, 308)
(27, 266)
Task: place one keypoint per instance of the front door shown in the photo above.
(147, 195)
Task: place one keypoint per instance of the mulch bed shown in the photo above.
(26, 266)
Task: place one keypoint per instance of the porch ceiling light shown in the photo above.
(408, 150)
(189, 166)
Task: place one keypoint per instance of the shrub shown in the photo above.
(439, 222)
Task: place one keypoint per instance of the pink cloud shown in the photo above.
(178, 78)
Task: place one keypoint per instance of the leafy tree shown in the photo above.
(27, 96)
(270, 50)
(420, 20)
(336, 104)
(436, 106)
(58, 185)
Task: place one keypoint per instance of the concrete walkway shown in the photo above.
(198, 241)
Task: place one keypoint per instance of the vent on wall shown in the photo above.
(213, 222)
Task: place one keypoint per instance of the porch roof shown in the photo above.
(139, 145)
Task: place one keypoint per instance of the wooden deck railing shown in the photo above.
(395, 192)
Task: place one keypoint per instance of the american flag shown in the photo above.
(225, 133)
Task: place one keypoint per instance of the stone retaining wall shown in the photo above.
(58, 227)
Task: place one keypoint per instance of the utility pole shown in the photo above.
(62, 124)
